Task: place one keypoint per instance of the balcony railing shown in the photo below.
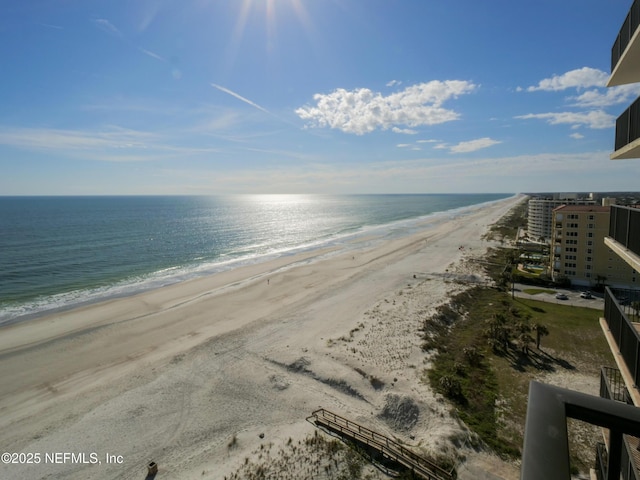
(602, 460)
(628, 126)
(546, 448)
(628, 468)
(626, 33)
(622, 329)
(624, 226)
(612, 386)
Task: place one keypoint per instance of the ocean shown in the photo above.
(61, 252)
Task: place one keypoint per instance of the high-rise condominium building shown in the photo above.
(545, 453)
(540, 214)
(578, 252)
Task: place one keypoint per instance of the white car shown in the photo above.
(561, 296)
(586, 295)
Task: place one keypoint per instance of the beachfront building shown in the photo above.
(621, 327)
(540, 213)
(620, 323)
(578, 252)
(545, 453)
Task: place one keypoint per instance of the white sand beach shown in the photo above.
(210, 375)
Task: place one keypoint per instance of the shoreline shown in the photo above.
(65, 301)
(172, 374)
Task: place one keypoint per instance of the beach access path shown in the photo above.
(197, 375)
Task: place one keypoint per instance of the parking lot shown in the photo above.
(573, 296)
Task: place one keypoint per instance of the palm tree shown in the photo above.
(600, 279)
(541, 331)
(498, 332)
(523, 336)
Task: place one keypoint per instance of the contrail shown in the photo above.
(151, 54)
(240, 97)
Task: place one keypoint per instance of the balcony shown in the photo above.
(628, 470)
(545, 454)
(624, 234)
(623, 337)
(612, 386)
(626, 49)
(627, 143)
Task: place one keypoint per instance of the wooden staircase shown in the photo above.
(388, 448)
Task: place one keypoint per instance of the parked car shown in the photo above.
(561, 296)
(586, 295)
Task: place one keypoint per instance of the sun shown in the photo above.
(271, 11)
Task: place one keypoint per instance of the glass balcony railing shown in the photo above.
(629, 27)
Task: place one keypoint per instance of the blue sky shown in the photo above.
(309, 96)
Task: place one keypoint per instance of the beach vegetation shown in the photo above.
(376, 383)
(485, 347)
(507, 226)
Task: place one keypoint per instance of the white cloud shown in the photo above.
(393, 83)
(622, 94)
(593, 119)
(363, 111)
(58, 139)
(49, 25)
(107, 26)
(406, 131)
(589, 171)
(403, 145)
(427, 141)
(577, 136)
(473, 145)
(113, 144)
(584, 77)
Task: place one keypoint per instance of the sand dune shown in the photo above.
(192, 375)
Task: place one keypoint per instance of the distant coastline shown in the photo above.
(66, 252)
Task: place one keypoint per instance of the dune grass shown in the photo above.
(488, 386)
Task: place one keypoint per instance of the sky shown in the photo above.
(138, 97)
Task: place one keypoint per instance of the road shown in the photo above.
(574, 296)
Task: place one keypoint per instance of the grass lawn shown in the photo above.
(489, 389)
(485, 372)
(536, 291)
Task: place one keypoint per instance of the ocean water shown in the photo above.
(60, 252)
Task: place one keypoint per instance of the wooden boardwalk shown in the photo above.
(388, 448)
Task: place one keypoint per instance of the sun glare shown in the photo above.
(271, 10)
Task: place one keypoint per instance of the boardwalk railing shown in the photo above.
(387, 447)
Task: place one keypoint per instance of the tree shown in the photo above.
(498, 332)
(541, 331)
(523, 336)
(450, 387)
